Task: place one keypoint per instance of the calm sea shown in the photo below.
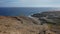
(22, 11)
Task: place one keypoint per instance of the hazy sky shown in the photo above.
(29, 3)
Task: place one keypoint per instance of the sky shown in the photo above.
(29, 3)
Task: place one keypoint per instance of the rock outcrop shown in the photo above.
(52, 18)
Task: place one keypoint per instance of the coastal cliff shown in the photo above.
(40, 23)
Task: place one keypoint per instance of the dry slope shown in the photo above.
(22, 25)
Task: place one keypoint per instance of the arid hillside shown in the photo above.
(22, 25)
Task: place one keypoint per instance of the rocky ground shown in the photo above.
(51, 18)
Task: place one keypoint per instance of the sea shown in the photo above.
(23, 11)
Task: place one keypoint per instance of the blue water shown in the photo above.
(22, 11)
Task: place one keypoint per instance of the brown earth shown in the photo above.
(22, 25)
